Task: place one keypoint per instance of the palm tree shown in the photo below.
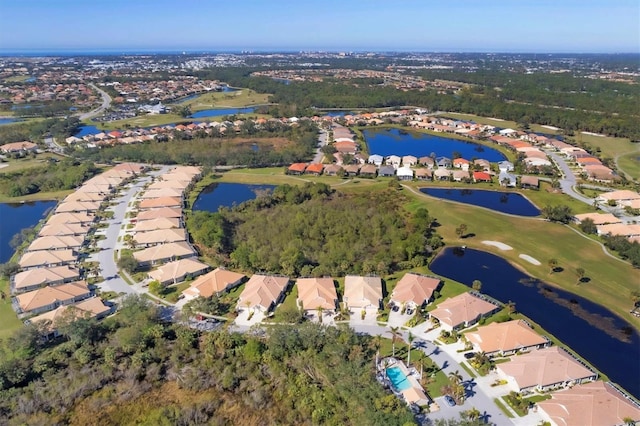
(320, 311)
(395, 335)
(455, 378)
(477, 285)
(553, 264)
(473, 414)
(410, 338)
(580, 273)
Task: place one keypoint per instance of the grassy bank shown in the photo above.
(239, 98)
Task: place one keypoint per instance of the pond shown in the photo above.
(504, 202)
(87, 130)
(399, 142)
(605, 340)
(335, 113)
(8, 120)
(219, 195)
(18, 216)
(221, 112)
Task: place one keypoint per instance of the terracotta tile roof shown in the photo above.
(164, 251)
(481, 176)
(64, 229)
(317, 292)
(46, 257)
(624, 194)
(590, 404)
(155, 203)
(45, 296)
(62, 218)
(161, 193)
(297, 167)
(462, 309)
(92, 307)
(56, 243)
(598, 218)
(85, 196)
(505, 336)
(159, 236)
(314, 168)
(544, 367)
(155, 224)
(176, 271)
(626, 230)
(158, 213)
(415, 288)
(214, 282)
(77, 206)
(261, 291)
(43, 276)
(362, 292)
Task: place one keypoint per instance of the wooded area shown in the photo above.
(135, 369)
(314, 230)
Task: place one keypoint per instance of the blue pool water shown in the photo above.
(398, 379)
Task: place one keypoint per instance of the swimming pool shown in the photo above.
(398, 378)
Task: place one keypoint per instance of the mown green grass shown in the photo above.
(16, 165)
(9, 321)
(630, 164)
(240, 98)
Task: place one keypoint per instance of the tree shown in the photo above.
(588, 227)
(476, 285)
(395, 336)
(9, 268)
(410, 338)
(455, 378)
(320, 311)
(128, 263)
(461, 230)
(580, 272)
(553, 264)
(185, 111)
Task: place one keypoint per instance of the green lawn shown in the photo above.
(240, 98)
(28, 162)
(502, 406)
(9, 321)
(630, 164)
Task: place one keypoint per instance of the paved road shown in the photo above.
(106, 101)
(322, 141)
(109, 246)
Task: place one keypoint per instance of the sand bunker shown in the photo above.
(501, 246)
(529, 259)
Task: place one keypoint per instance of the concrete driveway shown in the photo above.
(243, 319)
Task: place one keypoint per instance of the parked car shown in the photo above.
(449, 401)
(469, 355)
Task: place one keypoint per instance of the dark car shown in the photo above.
(449, 401)
(469, 355)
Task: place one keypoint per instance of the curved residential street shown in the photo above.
(106, 101)
(109, 246)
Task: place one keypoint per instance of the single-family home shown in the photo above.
(332, 169)
(362, 292)
(92, 307)
(393, 160)
(481, 177)
(462, 311)
(424, 174)
(368, 170)
(409, 160)
(78, 206)
(314, 169)
(315, 293)
(156, 203)
(375, 159)
(506, 338)
(178, 271)
(507, 179)
(77, 229)
(482, 163)
(296, 168)
(66, 218)
(414, 290)
(597, 218)
(460, 175)
(263, 292)
(64, 242)
(405, 173)
(160, 236)
(352, 169)
(461, 163)
(386, 171)
(18, 147)
(443, 162)
(543, 370)
(427, 161)
(156, 224)
(618, 196)
(590, 404)
(162, 192)
(170, 212)
(214, 282)
(505, 166)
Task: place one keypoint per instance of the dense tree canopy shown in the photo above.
(313, 230)
(135, 369)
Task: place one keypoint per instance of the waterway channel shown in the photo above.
(602, 338)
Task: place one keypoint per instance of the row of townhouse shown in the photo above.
(50, 279)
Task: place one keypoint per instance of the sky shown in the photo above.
(545, 26)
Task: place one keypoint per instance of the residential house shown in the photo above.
(394, 161)
(442, 174)
(48, 298)
(597, 218)
(405, 173)
(409, 161)
(77, 229)
(296, 168)
(160, 236)
(314, 169)
(529, 182)
(621, 229)
(66, 218)
(443, 162)
(164, 253)
(178, 271)
(263, 292)
(18, 147)
(168, 212)
(424, 174)
(426, 161)
(414, 290)
(316, 293)
(460, 175)
(88, 308)
(506, 338)
(481, 177)
(155, 203)
(590, 404)
(375, 159)
(352, 169)
(78, 206)
(386, 171)
(39, 277)
(47, 258)
(332, 169)
(461, 163)
(483, 164)
(505, 166)
(543, 370)
(462, 311)
(162, 193)
(65, 242)
(156, 224)
(362, 292)
(507, 179)
(214, 282)
(369, 170)
(618, 196)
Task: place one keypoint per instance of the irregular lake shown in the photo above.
(6, 120)
(396, 142)
(219, 195)
(605, 340)
(87, 130)
(336, 113)
(221, 112)
(505, 202)
(18, 216)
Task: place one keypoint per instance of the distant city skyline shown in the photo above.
(525, 26)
